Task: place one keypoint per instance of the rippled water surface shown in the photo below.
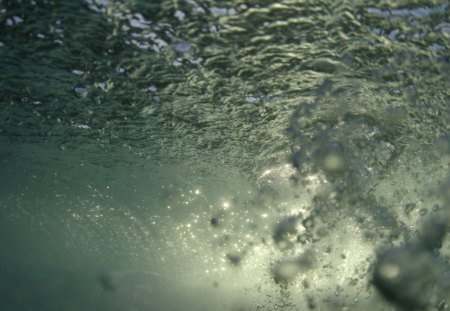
(224, 155)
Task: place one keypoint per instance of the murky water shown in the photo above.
(224, 155)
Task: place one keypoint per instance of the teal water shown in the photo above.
(224, 155)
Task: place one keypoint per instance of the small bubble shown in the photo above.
(423, 211)
(406, 276)
(251, 99)
(308, 223)
(218, 11)
(284, 230)
(80, 91)
(217, 219)
(102, 85)
(285, 271)
(409, 208)
(108, 281)
(214, 221)
(180, 15)
(389, 270)
(303, 238)
(333, 162)
(77, 72)
(182, 47)
(234, 258)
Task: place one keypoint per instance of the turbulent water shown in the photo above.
(224, 155)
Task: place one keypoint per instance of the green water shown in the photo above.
(223, 155)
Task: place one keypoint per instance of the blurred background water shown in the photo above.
(224, 155)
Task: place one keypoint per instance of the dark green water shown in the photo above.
(224, 155)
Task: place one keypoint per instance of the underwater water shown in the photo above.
(224, 155)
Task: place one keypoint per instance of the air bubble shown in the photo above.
(182, 47)
(308, 223)
(303, 238)
(409, 208)
(285, 272)
(234, 258)
(423, 211)
(333, 162)
(407, 275)
(109, 281)
(389, 271)
(214, 221)
(284, 230)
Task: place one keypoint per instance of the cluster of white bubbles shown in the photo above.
(335, 239)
